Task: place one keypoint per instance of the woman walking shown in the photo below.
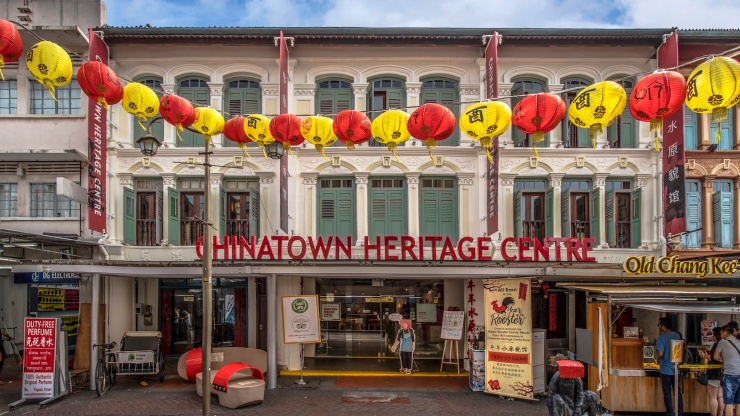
(714, 391)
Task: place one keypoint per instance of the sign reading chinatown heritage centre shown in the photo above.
(424, 248)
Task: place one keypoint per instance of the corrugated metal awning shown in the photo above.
(626, 291)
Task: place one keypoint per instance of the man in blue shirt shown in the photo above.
(667, 372)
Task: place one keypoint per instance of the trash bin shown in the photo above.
(478, 370)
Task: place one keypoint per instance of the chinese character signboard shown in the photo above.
(492, 92)
(97, 136)
(674, 192)
(39, 357)
(301, 319)
(508, 312)
(283, 67)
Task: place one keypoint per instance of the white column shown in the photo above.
(310, 180)
(359, 91)
(646, 214)
(412, 179)
(361, 194)
(506, 204)
(169, 130)
(217, 101)
(504, 90)
(469, 93)
(413, 92)
(270, 98)
(465, 205)
(266, 200)
(556, 180)
(601, 185)
(556, 134)
(168, 181)
(125, 179)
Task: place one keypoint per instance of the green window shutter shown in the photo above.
(395, 98)
(325, 102)
(129, 216)
(690, 129)
(725, 141)
(610, 218)
(252, 102)
(518, 214)
(378, 213)
(160, 214)
(549, 197)
(636, 231)
(628, 128)
(448, 214)
(595, 205)
(429, 212)
(345, 213)
(584, 136)
(254, 214)
(722, 219)
(223, 212)
(397, 216)
(173, 216)
(327, 213)
(343, 100)
(565, 212)
(692, 239)
(234, 106)
(199, 97)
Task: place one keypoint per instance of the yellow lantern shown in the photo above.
(140, 100)
(484, 122)
(257, 128)
(318, 131)
(597, 106)
(390, 128)
(50, 64)
(713, 87)
(208, 122)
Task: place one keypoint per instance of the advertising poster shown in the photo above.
(477, 370)
(39, 357)
(330, 311)
(426, 312)
(229, 309)
(301, 319)
(508, 314)
(452, 324)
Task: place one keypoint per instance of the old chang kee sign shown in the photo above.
(672, 265)
(508, 312)
(280, 247)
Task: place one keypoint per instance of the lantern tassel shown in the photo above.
(719, 114)
(490, 156)
(350, 145)
(144, 128)
(102, 103)
(431, 156)
(50, 88)
(431, 143)
(657, 143)
(536, 155)
(718, 136)
(287, 147)
(487, 144)
(392, 148)
(320, 148)
(595, 131)
(244, 147)
(656, 124)
(264, 151)
(2, 64)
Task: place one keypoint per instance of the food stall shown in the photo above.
(633, 373)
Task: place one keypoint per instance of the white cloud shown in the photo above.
(686, 14)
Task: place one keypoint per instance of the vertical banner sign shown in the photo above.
(97, 136)
(674, 191)
(301, 319)
(508, 313)
(492, 92)
(283, 110)
(39, 357)
(552, 315)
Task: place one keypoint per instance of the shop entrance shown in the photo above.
(359, 318)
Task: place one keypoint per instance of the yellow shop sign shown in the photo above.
(672, 265)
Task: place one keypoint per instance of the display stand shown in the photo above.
(301, 381)
(61, 379)
(453, 346)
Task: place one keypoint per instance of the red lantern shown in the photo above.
(656, 96)
(431, 123)
(538, 114)
(352, 127)
(177, 111)
(100, 83)
(286, 128)
(11, 44)
(234, 131)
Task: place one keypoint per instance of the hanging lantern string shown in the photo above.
(731, 53)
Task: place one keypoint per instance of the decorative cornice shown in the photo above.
(708, 181)
(413, 88)
(266, 177)
(168, 179)
(360, 88)
(465, 178)
(168, 88)
(601, 179)
(270, 89)
(310, 92)
(310, 178)
(556, 179)
(362, 177)
(507, 179)
(217, 88)
(642, 179)
(125, 178)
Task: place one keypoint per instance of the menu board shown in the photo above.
(508, 314)
(452, 324)
(330, 311)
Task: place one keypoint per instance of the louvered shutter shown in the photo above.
(199, 97)
(395, 98)
(595, 206)
(129, 216)
(518, 218)
(448, 214)
(325, 102)
(160, 215)
(343, 101)
(627, 128)
(429, 212)
(692, 239)
(722, 219)
(223, 213)
(397, 215)
(549, 198)
(173, 216)
(565, 212)
(254, 214)
(345, 214)
(327, 213)
(690, 129)
(610, 217)
(636, 211)
(378, 213)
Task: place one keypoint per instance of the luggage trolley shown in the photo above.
(140, 354)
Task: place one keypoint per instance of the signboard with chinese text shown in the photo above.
(301, 319)
(508, 314)
(674, 191)
(97, 136)
(39, 357)
(492, 171)
(283, 106)
(452, 324)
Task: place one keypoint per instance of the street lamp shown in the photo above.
(149, 145)
(274, 150)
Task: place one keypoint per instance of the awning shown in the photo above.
(704, 307)
(630, 291)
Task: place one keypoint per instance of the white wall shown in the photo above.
(119, 298)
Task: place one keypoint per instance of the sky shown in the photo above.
(684, 14)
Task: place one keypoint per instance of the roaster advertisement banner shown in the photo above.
(97, 136)
(509, 337)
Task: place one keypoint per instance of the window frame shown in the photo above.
(12, 199)
(157, 127)
(253, 85)
(11, 86)
(446, 84)
(188, 138)
(570, 132)
(614, 136)
(58, 205)
(39, 94)
(520, 138)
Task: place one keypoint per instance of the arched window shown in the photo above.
(574, 136)
(526, 86)
(196, 90)
(385, 93)
(333, 96)
(243, 97)
(445, 92)
(622, 133)
(157, 127)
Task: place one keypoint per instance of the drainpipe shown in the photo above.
(95, 315)
(271, 331)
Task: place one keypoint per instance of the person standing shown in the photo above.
(406, 339)
(728, 353)
(3, 355)
(714, 390)
(667, 372)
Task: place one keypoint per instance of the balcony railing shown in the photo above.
(580, 229)
(534, 229)
(146, 232)
(239, 228)
(190, 231)
(622, 235)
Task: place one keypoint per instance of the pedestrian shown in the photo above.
(566, 397)
(728, 353)
(667, 372)
(714, 390)
(188, 323)
(734, 328)
(406, 340)
(4, 336)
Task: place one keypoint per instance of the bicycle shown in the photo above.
(105, 372)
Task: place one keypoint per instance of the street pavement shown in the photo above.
(321, 396)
